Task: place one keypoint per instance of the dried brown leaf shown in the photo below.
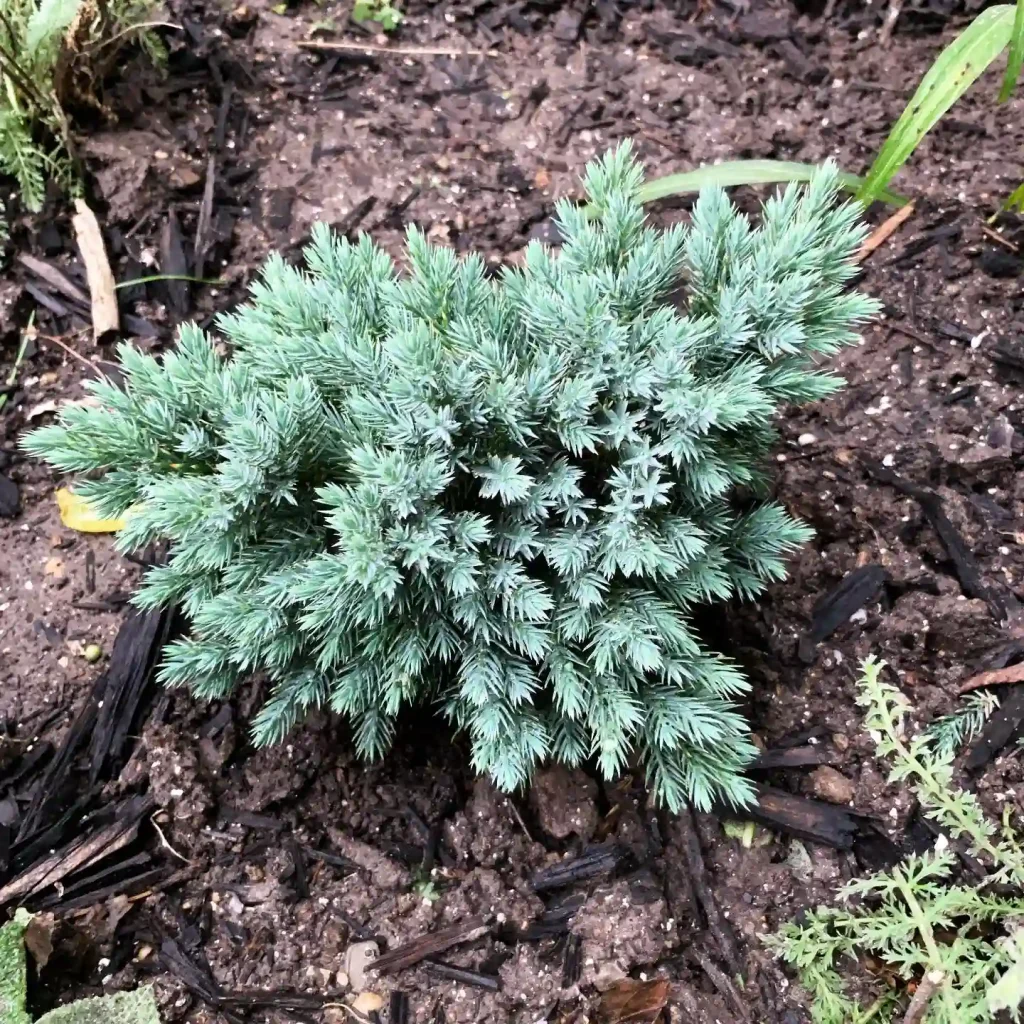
(635, 1002)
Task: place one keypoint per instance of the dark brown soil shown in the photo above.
(475, 149)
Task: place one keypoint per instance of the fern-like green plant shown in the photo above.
(40, 41)
(506, 496)
(914, 917)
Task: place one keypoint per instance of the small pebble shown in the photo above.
(806, 439)
(368, 1002)
(831, 785)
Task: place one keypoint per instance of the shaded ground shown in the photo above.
(291, 854)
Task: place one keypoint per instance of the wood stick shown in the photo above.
(923, 996)
(998, 239)
(53, 277)
(429, 944)
(103, 296)
(1010, 674)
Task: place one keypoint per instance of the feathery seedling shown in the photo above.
(918, 917)
(506, 496)
(952, 732)
(47, 48)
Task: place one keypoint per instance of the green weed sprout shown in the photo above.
(962, 940)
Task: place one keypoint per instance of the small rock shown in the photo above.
(1000, 433)
(805, 439)
(831, 785)
(608, 974)
(840, 741)
(368, 1002)
(567, 25)
(799, 861)
(10, 498)
(763, 27)
(359, 958)
(563, 801)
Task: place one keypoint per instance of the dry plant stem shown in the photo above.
(1011, 674)
(395, 51)
(164, 841)
(923, 996)
(891, 17)
(885, 231)
(999, 240)
(71, 352)
(142, 26)
(105, 315)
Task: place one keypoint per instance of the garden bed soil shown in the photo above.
(286, 856)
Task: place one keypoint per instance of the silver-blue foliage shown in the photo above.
(504, 495)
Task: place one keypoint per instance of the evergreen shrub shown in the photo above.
(505, 495)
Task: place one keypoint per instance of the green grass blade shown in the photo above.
(1016, 58)
(1015, 200)
(746, 172)
(952, 74)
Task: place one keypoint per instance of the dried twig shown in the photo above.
(998, 239)
(71, 352)
(393, 51)
(55, 278)
(885, 231)
(519, 818)
(429, 944)
(1010, 674)
(165, 842)
(891, 17)
(142, 26)
(922, 997)
(105, 316)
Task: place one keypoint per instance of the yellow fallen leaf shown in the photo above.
(54, 567)
(77, 514)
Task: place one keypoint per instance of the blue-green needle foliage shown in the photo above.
(506, 495)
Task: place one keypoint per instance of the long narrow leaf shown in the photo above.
(1015, 200)
(1015, 61)
(746, 172)
(952, 74)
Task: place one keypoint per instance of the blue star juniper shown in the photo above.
(503, 495)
